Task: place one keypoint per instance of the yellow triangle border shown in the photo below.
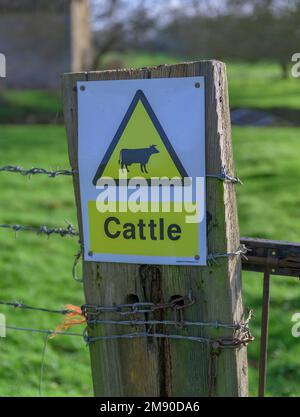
(139, 96)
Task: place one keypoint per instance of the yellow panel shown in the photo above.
(127, 238)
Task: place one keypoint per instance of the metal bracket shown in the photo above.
(280, 257)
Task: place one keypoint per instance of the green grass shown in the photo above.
(37, 270)
(267, 159)
(260, 85)
(138, 59)
(256, 85)
(32, 106)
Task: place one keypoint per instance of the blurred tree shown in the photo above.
(248, 30)
(269, 29)
(135, 24)
(121, 24)
(109, 28)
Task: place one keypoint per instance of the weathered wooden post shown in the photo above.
(148, 366)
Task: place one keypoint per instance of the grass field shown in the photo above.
(37, 270)
(267, 159)
(30, 106)
(258, 85)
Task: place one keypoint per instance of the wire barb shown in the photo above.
(136, 322)
(177, 304)
(35, 171)
(213, 257)
(241, 335)
(43, 331)
(17, 304)
(222, 342)
(46, 230)
(225, 177)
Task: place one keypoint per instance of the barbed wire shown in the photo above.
(241, 251)
(136, 322)
(130, 309)
(222, 342)
(70, 231)
(35, 171)
(177, 304)
(17, 304)
(241, 332)
(224, 176)
(43, 331)
(46, 230)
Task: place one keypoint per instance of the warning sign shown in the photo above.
(141, 153)
(140, 146)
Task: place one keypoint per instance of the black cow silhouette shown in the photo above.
(136, 156)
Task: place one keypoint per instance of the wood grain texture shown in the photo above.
(151, 367)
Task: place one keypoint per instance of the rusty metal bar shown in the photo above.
(284, 261)
(272, 257)
(264, 334)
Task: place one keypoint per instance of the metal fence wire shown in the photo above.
(131, 315)
(268, 257)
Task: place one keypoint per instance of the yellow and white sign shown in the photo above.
(141, 152)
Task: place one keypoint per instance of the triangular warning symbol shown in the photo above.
(140, 147)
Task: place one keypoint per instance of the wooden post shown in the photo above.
(161, 367)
